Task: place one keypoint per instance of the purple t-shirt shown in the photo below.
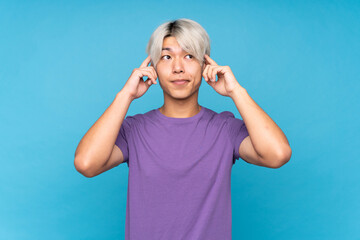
(179, 174)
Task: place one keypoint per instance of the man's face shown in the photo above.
(176, 64)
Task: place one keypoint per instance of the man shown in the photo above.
(180, 155)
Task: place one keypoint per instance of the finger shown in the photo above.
(154, 72)
(149, 82)
(205, 73)
(211, 74)
(208, 73)
(210, 61)
(147, 73)
(146, 62)
(214, 71)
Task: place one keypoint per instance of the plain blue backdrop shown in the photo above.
(62, 63)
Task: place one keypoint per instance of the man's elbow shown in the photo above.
(282, 158)
(82, 168)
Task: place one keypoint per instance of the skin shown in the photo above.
(179, 101)
(266, 144)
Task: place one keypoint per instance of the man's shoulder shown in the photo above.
(138, 117)
(221, 115)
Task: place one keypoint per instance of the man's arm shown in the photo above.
(96, 147)
(267, 145)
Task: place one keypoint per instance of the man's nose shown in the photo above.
(178, 66)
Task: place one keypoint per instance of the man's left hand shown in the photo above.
(226, 83)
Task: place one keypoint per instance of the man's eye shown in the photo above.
(186, 55)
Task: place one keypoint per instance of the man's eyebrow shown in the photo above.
(167, 48)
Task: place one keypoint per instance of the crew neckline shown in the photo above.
(180, 120)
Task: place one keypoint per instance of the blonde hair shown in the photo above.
(190, 35)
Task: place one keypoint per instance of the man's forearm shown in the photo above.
(97, 144)
(268, 140)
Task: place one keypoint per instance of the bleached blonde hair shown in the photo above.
(190, 35)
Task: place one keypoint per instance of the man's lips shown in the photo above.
(180, 81)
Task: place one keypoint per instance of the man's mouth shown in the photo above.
(180, 81)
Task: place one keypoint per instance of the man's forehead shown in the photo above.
(172, 49)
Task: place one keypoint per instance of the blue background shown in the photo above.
(62, 63)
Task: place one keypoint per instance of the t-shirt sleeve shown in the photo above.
(237, 132)
(122, 138)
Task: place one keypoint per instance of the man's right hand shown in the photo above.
(135, 86)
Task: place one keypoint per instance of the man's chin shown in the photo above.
(181, 95)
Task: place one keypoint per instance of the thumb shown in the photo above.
(148, 82)
(211, 83)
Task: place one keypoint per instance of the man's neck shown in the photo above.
(180, 110)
